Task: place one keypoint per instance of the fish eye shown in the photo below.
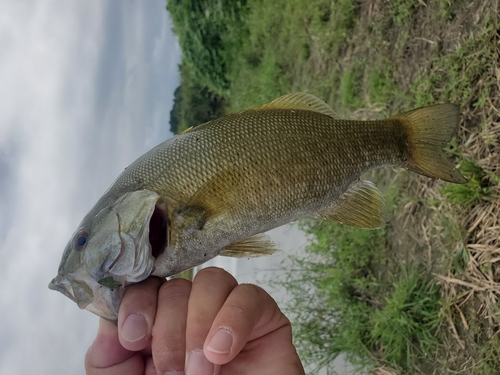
(80, 240)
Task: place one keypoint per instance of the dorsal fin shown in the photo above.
(300, 101)
(186, 130)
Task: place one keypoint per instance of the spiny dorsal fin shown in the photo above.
(362, 205)
(300, 101)
(255, 246)
(186, 130)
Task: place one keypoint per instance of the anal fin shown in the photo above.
(362, 205)
(255, 246)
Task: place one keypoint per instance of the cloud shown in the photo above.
(86, 88)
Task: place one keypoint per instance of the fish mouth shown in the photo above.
(158, 227)
(82, 289)
(61, 284)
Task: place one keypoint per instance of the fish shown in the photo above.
(215, 188)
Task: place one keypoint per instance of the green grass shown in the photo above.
(334, 293)
(478, 186)
(405, 327)
(281, 37)
(350, 87)
(401, 11)
(449, 76)
(489, 354)
(381, 87)
(339, 304)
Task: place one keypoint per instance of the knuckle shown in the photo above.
(163, 347)
(214, 273)
(174, 289)
(198, 327)
(140, 297)
(238, 311)
(165, 354)
(251, 291)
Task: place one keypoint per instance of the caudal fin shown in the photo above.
(429, 130)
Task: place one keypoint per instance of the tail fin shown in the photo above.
(429, 130)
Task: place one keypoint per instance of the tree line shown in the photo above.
(208, 32)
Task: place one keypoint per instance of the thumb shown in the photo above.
(106, 356)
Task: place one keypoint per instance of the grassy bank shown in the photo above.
(420, 296)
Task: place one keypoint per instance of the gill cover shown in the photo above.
(116, 252)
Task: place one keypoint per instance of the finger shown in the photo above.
(106, 356)
(149, 367)
(248, 313)
(137, 314)
(169, 330)
(210, 289)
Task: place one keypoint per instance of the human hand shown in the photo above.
(209, 326)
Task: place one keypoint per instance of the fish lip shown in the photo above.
(79, 292)
(100, 300)
(59, 284)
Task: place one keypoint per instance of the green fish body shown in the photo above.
(212, 190)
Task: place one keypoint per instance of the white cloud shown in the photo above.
(71, 121)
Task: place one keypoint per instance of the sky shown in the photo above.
(86, 87)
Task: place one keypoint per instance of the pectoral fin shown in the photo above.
(219, 194)
(188, 219)
(362, 205)
(255, 246)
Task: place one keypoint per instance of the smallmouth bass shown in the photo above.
(213, 189)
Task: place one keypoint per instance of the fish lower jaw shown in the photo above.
(82, 289)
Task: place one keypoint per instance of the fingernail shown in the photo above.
(221, 342)
(134, 328)
(197, 364)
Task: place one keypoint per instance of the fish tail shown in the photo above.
(429, 130)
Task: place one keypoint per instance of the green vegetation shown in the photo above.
(421, 295)
(342, 305)
(405, 328)
(208, 35)
(333, 292)
(194, 104)
(478, 187)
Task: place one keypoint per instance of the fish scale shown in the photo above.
(213, 189)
